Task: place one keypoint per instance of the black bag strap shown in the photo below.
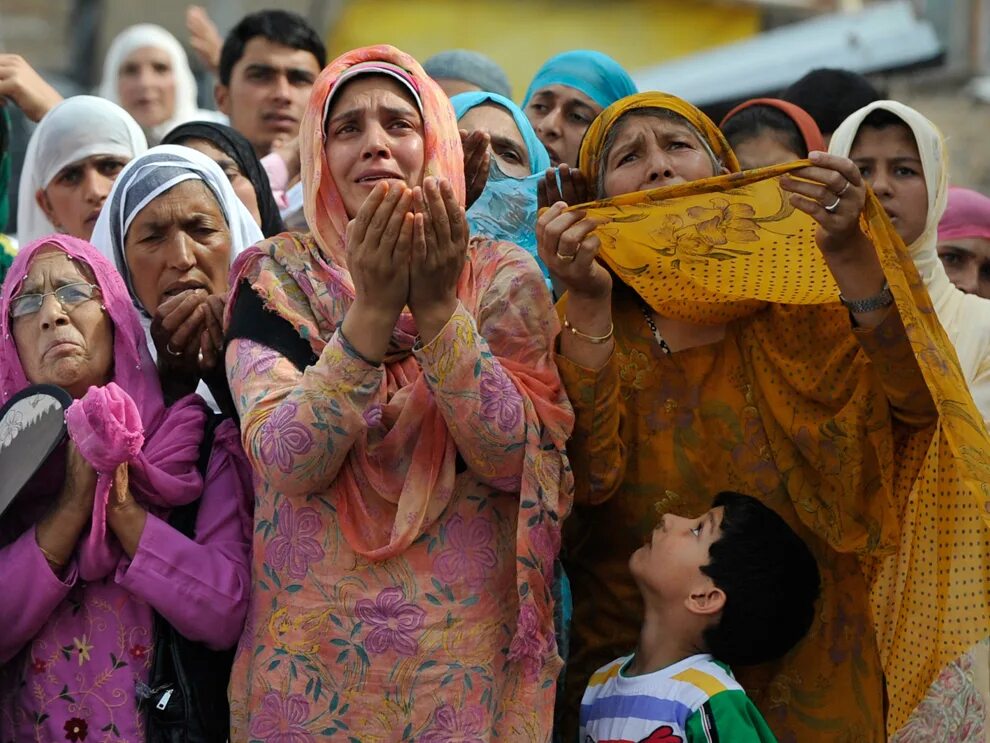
(193, 677)
(183, 518)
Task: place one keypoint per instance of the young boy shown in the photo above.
(734, 586)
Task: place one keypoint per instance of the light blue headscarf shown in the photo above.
(507, 208)
(596, 75)
(539, 160)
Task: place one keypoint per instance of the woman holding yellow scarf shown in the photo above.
(722, 358)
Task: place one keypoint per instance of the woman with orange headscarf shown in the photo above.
(715, 354)
(401, 408)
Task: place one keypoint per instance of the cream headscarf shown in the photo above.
(965, 317)
(77, 128)
(148, 34)
(142, 181)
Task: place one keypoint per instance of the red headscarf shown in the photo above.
(812, 136)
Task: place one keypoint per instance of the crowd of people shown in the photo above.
(402, 412)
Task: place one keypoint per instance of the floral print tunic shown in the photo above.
(415, 646)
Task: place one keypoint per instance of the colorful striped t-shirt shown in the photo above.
(696, 700)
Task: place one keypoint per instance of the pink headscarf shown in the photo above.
(124, 421)
(966, 215)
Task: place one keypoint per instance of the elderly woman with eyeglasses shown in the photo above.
(89, 556)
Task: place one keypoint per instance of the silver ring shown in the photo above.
(832, 207)
(170, 352)
(566, 258)
(844, 189)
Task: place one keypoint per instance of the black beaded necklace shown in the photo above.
(653, 326)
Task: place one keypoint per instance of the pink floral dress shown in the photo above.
(418, 645)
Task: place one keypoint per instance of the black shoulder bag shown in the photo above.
(186, 698)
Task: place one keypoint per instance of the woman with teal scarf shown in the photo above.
(566, 95)
(506, 209)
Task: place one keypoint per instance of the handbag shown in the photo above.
(186, 696)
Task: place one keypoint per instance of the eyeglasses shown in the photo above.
(69, 296)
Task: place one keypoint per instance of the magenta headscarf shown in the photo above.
(966, 215)
(123, 421)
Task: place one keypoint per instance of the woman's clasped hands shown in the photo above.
(406, 247)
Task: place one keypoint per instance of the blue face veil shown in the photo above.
(507, 208)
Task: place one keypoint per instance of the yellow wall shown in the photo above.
(521, 34)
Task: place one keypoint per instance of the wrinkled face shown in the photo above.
(452, 86)
(967, 262)
(889, 161)
(146, 86)
(374, 133)
(561, 115)
(763, 150)
(179, 242)
(238, 180)
(650, 152)
(268, 92)
(669, 565)
(508, 146)
(73, 198)
(67, 345)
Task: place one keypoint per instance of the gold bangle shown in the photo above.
(599, 339)
(52, 559)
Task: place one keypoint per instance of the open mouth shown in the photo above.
(374, 178)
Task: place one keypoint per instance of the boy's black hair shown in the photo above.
(830, 95)
(753, 121)
(770, 580)
(278, 26)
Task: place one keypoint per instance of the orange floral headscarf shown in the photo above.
(324, 209)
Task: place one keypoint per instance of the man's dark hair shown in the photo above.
(753, 121)
(770, 580)
(278, 26)
(831, 95)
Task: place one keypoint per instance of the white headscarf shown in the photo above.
(77, 128)
(144, 35)
(965, 317)
(144, 179)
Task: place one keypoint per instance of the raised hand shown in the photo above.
(832, 192)
(20, 83)
(379, 242)
(477, 160)
(567, 247)
(440, 239)
(572, 189)
(204, 37)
